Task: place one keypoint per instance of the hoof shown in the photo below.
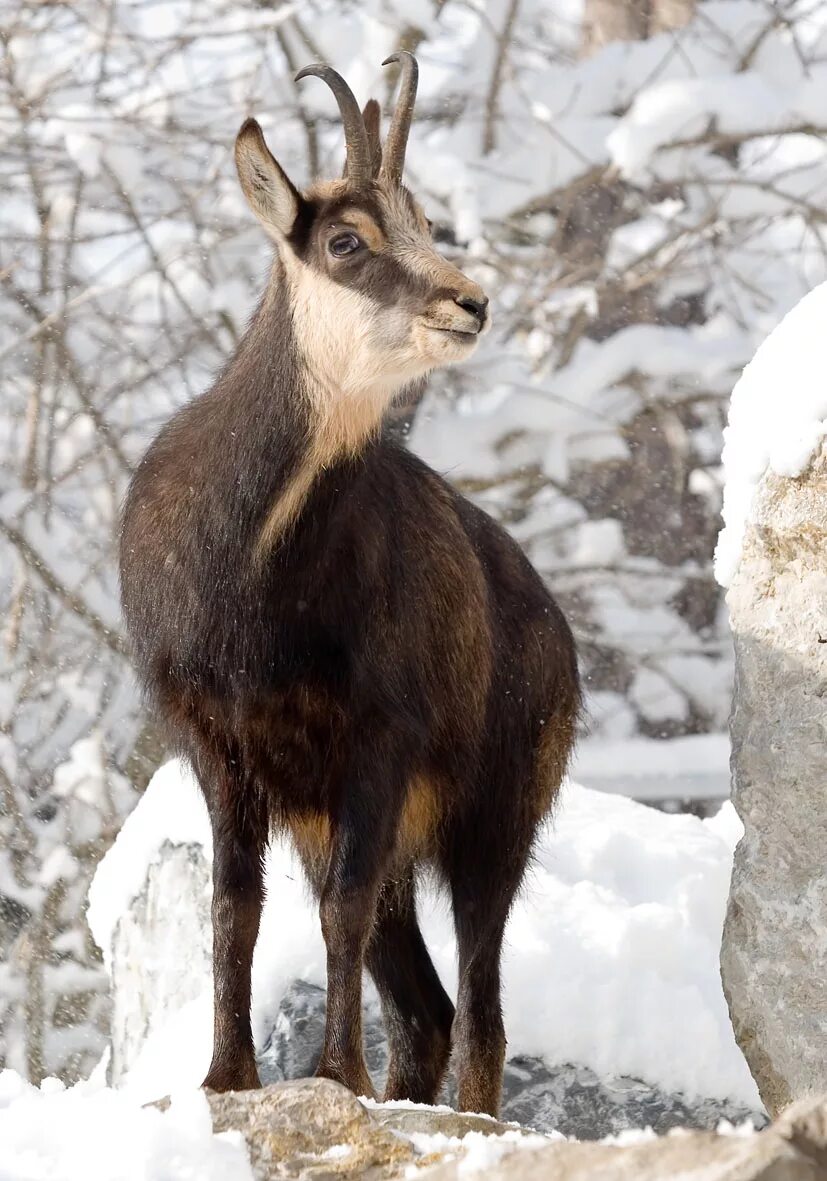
(222, 1077)
(358, 1081)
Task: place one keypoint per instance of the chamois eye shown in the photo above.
(344, 244)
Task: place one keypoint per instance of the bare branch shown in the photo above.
(36, 563)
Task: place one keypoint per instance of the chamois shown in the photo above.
(344, 647)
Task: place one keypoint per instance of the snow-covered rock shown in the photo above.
(777, 419)
(315, 1129)
(161, 949)
(774, 955)
(613, 1003)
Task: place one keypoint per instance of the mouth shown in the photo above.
(464, 335)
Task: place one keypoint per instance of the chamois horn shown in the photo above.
(393, 156)
(358, 164)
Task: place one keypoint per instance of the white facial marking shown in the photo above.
(358, 352)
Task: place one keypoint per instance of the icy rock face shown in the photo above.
(774, 953)
(161, 950)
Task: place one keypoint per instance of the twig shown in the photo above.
(492, 97)
(35, 562)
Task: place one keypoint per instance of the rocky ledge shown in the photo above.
(313, 1129)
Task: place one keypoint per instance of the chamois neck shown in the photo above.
(347, 380)
(332, 417)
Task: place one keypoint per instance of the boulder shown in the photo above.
(311, 1128)
(315, 1129)
(161, 955)
(774, 952)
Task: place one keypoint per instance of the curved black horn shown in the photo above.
(358, 164)
(393, 158)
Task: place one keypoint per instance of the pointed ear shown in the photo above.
(372, 117)
(272, 197)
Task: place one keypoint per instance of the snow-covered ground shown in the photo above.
(91, 1132)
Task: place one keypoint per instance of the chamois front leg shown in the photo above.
(363, 838)
(238, 814)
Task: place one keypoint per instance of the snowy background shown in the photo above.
(643, 198)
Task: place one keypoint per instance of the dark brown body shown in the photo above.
(389, 681)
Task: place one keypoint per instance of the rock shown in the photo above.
(295, 1043)
(774, 953)
(804, 1124)
(161, 954)
(573, 1100)
(693, 1156)
(310, 1128)
(442, 1121)
(315, 1129)
(567, 1099)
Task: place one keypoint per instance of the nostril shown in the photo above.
(477, 307)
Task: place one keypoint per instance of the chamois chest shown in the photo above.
(356, 597)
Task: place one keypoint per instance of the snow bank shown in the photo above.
(611, 956)
(777, 417)
(170, 809)
(92, 1133)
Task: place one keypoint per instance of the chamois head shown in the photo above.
(374, 305)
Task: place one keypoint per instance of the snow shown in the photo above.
(611, 957)
(90, 1132)
(777, 418)
(695, 766)
(479, 1150)
(656, 699)
(682, 110)
(410, 1105)
(93, 1133)
(170, 808)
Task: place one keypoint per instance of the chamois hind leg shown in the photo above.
(362, 839)
(238, 814)
(484, 868)
(418, 1014)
